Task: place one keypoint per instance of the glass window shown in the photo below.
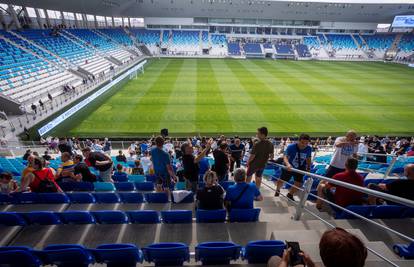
(69, 15)
(90, 17)
(79, 16)
(53, 14)
(31, 12)
(118, 21)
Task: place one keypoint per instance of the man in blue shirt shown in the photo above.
(242, 194)
(296, 156)
(162, 164)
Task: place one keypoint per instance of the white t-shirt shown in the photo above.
(146, 164)
(362, 148)
(341, 154)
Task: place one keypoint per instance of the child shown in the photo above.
(120, 175)
(138, 168)
(7, 184)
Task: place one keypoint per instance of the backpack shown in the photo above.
(46, 185)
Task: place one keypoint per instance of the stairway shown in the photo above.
(122, 46)
(359, 45)
(393, 50)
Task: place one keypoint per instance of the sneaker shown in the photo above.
(290, 196)
(277, 193)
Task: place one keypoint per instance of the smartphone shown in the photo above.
(295, 257)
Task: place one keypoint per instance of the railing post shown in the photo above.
(303, 198)
(388, 171)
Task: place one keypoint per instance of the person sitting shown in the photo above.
(400, 187)
(242, 194)
(137, 168)
(340, 195)
(146, 162)
(159, 186)
(211, 196)
(7, 184)
(121, 157)
(337, 248)
(101, 162)
(41, 179)
(82, 171)
(410, 153)
(66, 170)
(119, 174)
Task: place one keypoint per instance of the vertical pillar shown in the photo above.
(113, 22)
(76, 20)
(106, 22)
(47, 18)
(85, 21)
(14, 16)
(63, 19)
(122, 19)
(95, 21)
(38, 18)
(2, 23)
(129, 22)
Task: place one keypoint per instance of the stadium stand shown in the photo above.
(187, 42)
(253, 50)
(234, 48)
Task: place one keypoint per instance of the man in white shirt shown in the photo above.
(146, 162)
(345, 148)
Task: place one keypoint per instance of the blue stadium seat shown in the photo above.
(81, 197)
(114, 255)
(67, 186)
(11, 219)
(54, 198)
(180, 186)
(26, 198)
(177, 216)
(167, 254)
(5, 198)
(124, 186)
(104, 186)
(211, 253)
(18, 257)
(358, 209)
(388, 211)
(136, 178)
(144, 186)
(156, 197)
(107, 197)
(65, 255)
(118, 177)
(151, 178)
(404, 251)
(143, 216)
(83, 186)
(77, 217)
(188, 199)
(42, 217)
(211, 216)
(408, 213)
(131, 197)
(261, 251)
(226, 184)
(110, 217)
(244, 215)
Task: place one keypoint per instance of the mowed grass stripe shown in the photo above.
(179, 114)
(291, 95)
(243, 111)
(117, 116)
(279, 116)
(212, 115)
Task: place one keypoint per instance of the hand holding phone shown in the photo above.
(295, 253)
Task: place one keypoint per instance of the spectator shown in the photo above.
(66, 170)
(159, 186)
(345, 147)
(137, 168)
(7, 184)
(101, 162)
(82, 171)
(297, 155)
(378, 158)
(34, 108)
(63, 146)
(119, 174)
(46, 156)
(96, 146)
(41, 179)
(29, 167)
(211, 196)
(162, 164)
(221, 161)
(236, 154)
(107, 146)
(337, 248)
(121, 157)
(191, 164)
(132, 149)
(261, 152)
(400, 187)
(27, 154)
(242, 194)
(410, 153)
(146, 162)
(340, 195)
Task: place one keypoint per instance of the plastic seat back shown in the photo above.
(106, 197)
(358, 209)
(262, 251)
(16, 257)
(388, 211)
(5, 198)
(110, 217)
(124, 186)
(144, 186)
(213, 253)
(81, 197)
(151, 178)
(143, 216)
(167, 254)
(77, 217)
(127, 255)
(54, 198)
(42, 217)
(66, 255)
(26, 198)
(156, 197)
(83, 186)
(136, 178)
(11, 219)
(244, 215)
(103, 186)
(131, 197)
(211, 216)
(177, 216)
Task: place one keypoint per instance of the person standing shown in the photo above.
(101, 162)
(297, 155)
(221, 162)
(261, 152)
(236, 154)
(345, 148)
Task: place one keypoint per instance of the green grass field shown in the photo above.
(211, 96)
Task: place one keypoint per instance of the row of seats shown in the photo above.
(128, 255)
(125, 217)
(377, 212)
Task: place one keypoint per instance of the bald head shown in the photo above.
(409, 171)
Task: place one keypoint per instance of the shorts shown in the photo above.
(257, 172)
(332, 171)
(286, 175)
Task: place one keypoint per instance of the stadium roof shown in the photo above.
(378, 11)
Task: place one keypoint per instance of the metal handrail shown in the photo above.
(400, 200)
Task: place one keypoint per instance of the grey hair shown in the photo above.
(239, 175)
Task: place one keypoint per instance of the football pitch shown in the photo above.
(226, 96)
